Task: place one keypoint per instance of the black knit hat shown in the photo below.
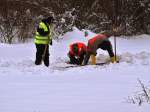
(50, 19)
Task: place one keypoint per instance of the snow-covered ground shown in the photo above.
(25, 87)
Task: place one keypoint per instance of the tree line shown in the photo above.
(19, 18)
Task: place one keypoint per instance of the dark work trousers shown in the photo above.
(106, 45)
(40, 49)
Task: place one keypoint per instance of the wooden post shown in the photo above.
(115, 29)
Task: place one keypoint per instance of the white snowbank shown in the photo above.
(25, 87)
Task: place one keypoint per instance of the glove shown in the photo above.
(50, 42)
(93, 58)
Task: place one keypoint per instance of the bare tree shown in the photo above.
(8, 24)
(140, 97)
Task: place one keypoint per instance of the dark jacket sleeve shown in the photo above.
(82, 52)
(81, 57)
(42, 32)
(86, 59)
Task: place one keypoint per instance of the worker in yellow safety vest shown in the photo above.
(42, 39)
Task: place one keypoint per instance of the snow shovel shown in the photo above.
(43, 56)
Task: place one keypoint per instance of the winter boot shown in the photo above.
(93, 59)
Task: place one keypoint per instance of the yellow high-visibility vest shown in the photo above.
(38, 39)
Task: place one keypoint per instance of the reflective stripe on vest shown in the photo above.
(42, 25)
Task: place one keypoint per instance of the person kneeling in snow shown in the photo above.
(76, 53)
(98, 41)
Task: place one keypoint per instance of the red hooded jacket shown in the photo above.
(93, 43)
(81, 48)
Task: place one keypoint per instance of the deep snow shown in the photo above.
(25, 87)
